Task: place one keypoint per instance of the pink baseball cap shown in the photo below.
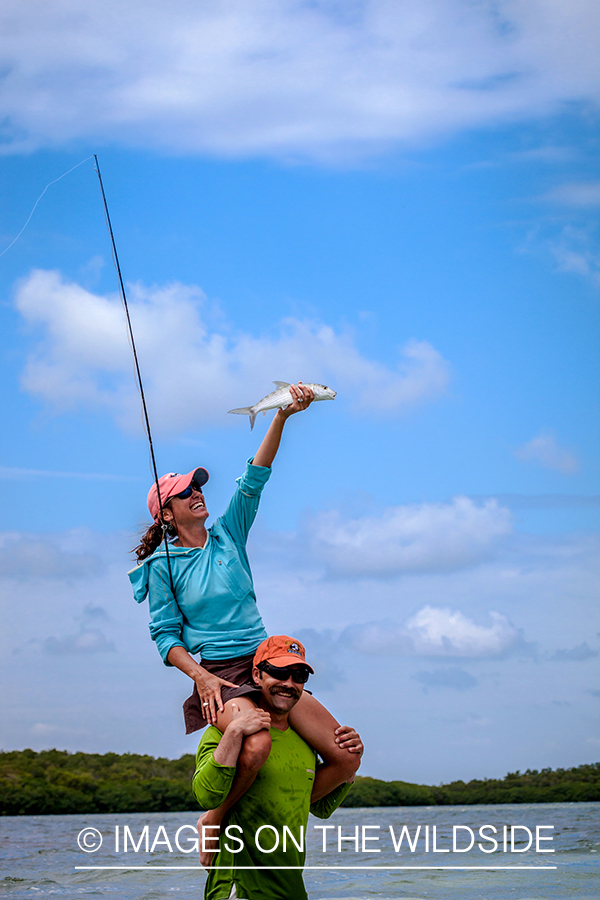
(172, 484)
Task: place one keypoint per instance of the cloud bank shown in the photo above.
(286, 78)
(434, 631)
(411, 662)
(420, 537)
(82, 358)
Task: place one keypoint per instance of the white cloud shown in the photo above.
(450, 632)
(24, 556)
(286, 78)
(572, 247)
(545, 450)
(424, 537)
(573, 242)
(434, 631)
(575, 249)
(581, 194)
(83, 359)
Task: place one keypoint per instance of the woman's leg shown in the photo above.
(316, 726)
(253, 755)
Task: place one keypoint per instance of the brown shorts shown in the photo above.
(237, 670)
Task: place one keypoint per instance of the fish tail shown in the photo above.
(246, 411)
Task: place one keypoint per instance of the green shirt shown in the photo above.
(280, 796)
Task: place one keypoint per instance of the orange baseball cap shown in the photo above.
(281, 650)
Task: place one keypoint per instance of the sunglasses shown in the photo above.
(194, 486)
(298, 674)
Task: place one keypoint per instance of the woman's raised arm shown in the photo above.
(266, 453)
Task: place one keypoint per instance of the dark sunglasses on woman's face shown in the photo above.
(188, 491)
(298, 674)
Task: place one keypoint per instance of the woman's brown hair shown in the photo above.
(151, 540)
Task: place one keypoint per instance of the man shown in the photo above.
(267, 825)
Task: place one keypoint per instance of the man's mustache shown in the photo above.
(285, 691)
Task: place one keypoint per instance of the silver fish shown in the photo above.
(280, 399)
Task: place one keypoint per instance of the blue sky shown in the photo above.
(400, 202)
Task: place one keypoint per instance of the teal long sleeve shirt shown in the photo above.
(214, 611)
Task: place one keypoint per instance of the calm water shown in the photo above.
(39, 855)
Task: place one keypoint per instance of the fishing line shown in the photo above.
(138, 374)
(38, 200)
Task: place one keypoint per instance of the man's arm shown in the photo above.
(327, 805)
(211, 782)
(218, 754)
(243, 723)
(348, 738)
(303, 397)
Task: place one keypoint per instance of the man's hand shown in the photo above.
(349, 739)
(248, 721)
(243, 723)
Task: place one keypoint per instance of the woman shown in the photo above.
(202, 600)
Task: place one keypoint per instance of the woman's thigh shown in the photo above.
(316, 726)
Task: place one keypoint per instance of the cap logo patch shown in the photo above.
(294, 648)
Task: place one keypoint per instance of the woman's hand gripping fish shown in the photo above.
(281, 399)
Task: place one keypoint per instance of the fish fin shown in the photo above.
(281, 384)
(245, 411)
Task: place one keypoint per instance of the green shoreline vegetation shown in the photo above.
(58, 782)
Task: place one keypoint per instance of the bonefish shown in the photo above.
(280, 399)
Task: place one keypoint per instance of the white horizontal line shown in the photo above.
(306, 868)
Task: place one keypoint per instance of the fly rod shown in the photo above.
(138, 374)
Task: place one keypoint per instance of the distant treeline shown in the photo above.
(547, 786)
(55, 781)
